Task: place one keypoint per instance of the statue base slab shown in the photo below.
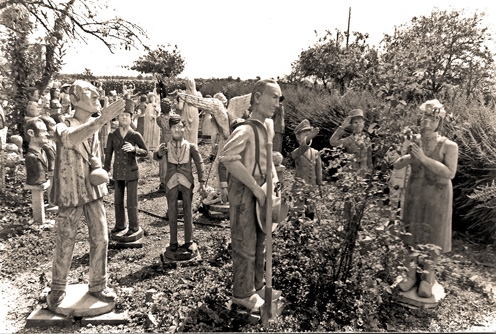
(411, 299)
(79, 303)
(180, 255)
(46, 318)
(254, 317)
(218, 211)
(131, 244)
(111, 318)
(122, 236)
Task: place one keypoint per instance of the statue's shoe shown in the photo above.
(425, 289)
(276, 294)
(253, 303)
(106, 295)
(55, 297)
(407, 284)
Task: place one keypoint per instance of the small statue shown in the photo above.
(279, 126)
(125, 145)
(65, 100)
(358, 143)
(165, 137)
(151, 129)
(76, 193)
(33, 109)
(55, 105)
(190, 113)
(36, 158)
(179, 180)
(307, 161)
(429, 195)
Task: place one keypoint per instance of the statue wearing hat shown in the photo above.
(429, 197)
(307, 161)
(125, 144)
(358, 143)
(179, 180)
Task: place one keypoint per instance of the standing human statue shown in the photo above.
(125, 144)
(55, 105)
(189, 113)
(429, 195)
(33, 109)
(308, 164)
(37, 164)
(151, 130)
(358, 143)
(165, 137)
(246, 163)
(279, 127)
(78, 189)
(179, 154)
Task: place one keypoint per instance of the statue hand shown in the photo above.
(223, 195)
(162, 149)
(113, 110)
(314, 132)
(417, 152)
(346, 122)
(127, 147)
(260, 196)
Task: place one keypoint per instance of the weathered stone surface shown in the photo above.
(219, 208)
(411, 299)
(182, 254)
(123, 237)
(111, 318)
(130, 244)
(79, 303)
(46, 318)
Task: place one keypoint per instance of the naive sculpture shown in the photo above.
(55, 105)
(125, 144)
(65, 100)
(428, 199)
(308, 165)
(151, 129)
(245, 158)
(36, 158)
(179, 153)
(279, 126)
(358, 143)
(165, 137)
(78, 188)
(189, 113)
(33, 108)
(140, 115)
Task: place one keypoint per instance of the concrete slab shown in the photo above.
(46, 318)
(219, 208)
(79, 303)
(131, 244)
(411, 299)
(111, 318)
(181, 254)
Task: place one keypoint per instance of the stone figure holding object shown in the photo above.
(429, 195)
(124, 145)
(78, 188)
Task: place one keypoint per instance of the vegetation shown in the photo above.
(161, 62)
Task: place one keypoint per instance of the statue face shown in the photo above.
(38, 137)
(300, 137)
(177, 131)
(357, 124)
(269, 100)
(429, 123)
(88, 98)
(35, 96)
(124, 119)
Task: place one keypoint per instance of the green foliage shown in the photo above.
(436, 52)
(162, 61)
(330, 61)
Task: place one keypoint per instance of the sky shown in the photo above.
(246, 39)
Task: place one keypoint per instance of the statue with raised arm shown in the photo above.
(79, 184)
(429, 195)
(190, 113)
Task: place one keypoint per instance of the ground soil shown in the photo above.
(182, 297)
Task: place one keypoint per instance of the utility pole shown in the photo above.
(348, 31)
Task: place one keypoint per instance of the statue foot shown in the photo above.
(55, 297)
(407, 284)
(276, 294)
(117, 230)
(173, 246)
(132, 231)
(425, 289)
(252, 303)
(189, 246)
(106, 295)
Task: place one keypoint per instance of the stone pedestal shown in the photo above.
(411, 299)
(79, 303)
(218, 211)
(181, 254)
(123, 240)
(37, 202)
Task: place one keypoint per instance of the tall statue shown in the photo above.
(55, 105)
(358, 143)
(33, 109)
(429, 195)
(78, 189)
(151, 130)
(190, 113)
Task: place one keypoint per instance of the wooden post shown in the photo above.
(267, 308)
(37, 203)
(348, 31)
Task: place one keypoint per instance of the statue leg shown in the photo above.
(411, 275)
(171, 196)
(188, 214)
(132, 205)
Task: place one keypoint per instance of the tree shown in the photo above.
(35, 64)
(445, 49)
(162, 61)
(331, 61)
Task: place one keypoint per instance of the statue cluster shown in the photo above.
(68, 153)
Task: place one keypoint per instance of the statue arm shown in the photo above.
(448, 168)
(335, 139)
(141, 150)
(109, 151)
(403, 161)
(299, 151)
(200, 167)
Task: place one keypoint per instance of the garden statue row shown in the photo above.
(79, 183)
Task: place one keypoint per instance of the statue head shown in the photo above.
(36, 132)
(85, 96)
(176, 125)
(221, 97)
(151, 97)
(190, 85)
(50, 125)
(265, 97)
(357, 121)
(302, 130)
(433, 114)
(165, 106)
(33, 94)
